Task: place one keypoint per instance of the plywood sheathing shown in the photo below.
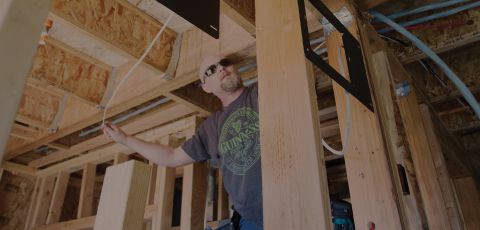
(38, 106)
(120, 23)
(71, 71)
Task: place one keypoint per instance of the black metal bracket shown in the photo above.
(358, 85)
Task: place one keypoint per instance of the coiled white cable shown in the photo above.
(135, 66)
(347, 105)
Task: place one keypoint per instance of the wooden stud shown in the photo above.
(76, 224)
(122, 203)
(469, 200)
(58, 197)
(33, 203)
(151, 184)
(368, 163)
(120, 158)
(295, 150)
(20, 29)
(194, 192)
(18, 168)
(44, 198)
(164, 190)
(223, 211)
(86, 191)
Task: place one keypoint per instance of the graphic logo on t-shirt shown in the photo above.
(239, 143)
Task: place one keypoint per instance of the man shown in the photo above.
(229, 137)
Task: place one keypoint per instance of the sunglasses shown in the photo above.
(212, 69)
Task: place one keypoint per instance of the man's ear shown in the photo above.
(206, 88)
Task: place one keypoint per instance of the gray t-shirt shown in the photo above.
(230, 139)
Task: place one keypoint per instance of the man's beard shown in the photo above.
(231, 83)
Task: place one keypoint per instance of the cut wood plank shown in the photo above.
(367, 160)
(20, 28)
(194, 192)
(44, 197)
(85, 205)
(120, 158)
(242, 12)
(18, 168)
(107, 153)
(469, 200)
(223, 211)
(287, 107)
(122, 203)
(58, 197)
(33, 203)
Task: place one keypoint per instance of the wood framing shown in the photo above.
(85, 205)
(242, 12)
(368, 163)
(469, 201)
(164, 189)
(287, 108)
(122, 203)
(19, 33)
(223, 211)
(44, 197)
(194, 192)
(58, 197)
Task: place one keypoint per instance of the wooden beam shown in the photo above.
(107, 153)
(20, 29)
(77, 224)
(122, 25)
(58, 197)
(122, 202)
(18, 168)
(368, 163)
(85, 205)
(164, 190)
(196, 96)
(44, 198)
(295, 150)
(120, 158)
(194, 192)
(135, 125)
(469, 200)
(151, 184)
(33, 203)
(223, 211)
(242, 12)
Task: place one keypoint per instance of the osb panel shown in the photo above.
(120, 24)
(39, 105)
(15, 192)
(245, 7)
(70, 72)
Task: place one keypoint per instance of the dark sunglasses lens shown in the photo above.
(225, 62)
(210, 70)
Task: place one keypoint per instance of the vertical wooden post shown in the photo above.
(43, 203)
(289, 124)
(120, 158)
(1, 174)
(122, 202)
(21, 22)
(86, 191)
(441, 177)
(33, 204)
(194, 193)
(373, 190)
(164, 189)
(223, 211)
(58, 197)
(469, 200)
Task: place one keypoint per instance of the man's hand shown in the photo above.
(114, 133)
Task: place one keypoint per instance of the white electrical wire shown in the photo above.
(135, 66)
(347, 104)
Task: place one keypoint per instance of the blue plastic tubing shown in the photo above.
(425, 49)
(433, 16)
(432, 6)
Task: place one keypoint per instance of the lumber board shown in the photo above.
(120, 158)
(18, 168)
(33, 203)
(367, 160)
(107, 152)
(85, 205)
(469, 200)
(120, 24)
(19, 30)
(42, 205)
(287, 107)
(164, 190)
(223, 211)
(242, 12)
(122, 202)
(194, 191)
(58, 197)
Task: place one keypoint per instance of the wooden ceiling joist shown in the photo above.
(121, 24)
(71, 71)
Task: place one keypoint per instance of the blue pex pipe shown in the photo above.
(433, 6)
(433, 16)
(425, 49)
